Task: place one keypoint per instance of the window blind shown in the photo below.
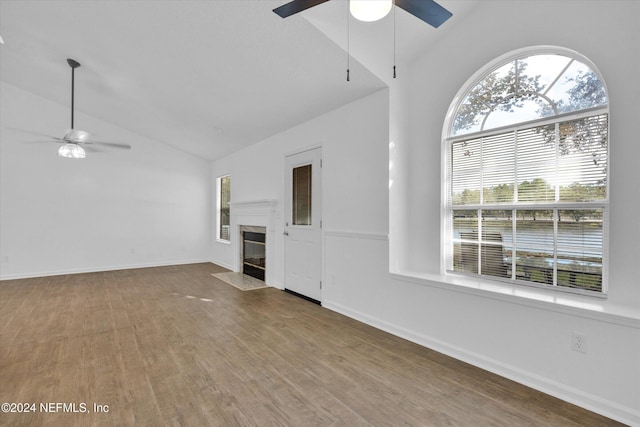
(528, 203)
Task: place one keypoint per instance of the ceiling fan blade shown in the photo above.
(41, 142)
(109, 144)
(427, 10)
(296, 6)
(54, 138)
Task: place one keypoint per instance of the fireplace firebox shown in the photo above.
(254, 251)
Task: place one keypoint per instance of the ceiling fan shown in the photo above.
(427, 10)
(76, 142)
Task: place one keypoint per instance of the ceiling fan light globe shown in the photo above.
(71, 151)
(370, 10)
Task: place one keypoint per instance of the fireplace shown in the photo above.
(253, 252)
(254, 216)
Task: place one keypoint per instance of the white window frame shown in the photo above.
(219, 237)
(447, 140)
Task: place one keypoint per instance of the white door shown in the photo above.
(302, 228)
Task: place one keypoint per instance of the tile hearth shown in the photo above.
(240, 281)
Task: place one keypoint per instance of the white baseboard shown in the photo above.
(222, 264)
(577, 397)
(99, 269)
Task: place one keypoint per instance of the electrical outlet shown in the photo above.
(579, 342)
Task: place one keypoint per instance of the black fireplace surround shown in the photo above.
(254, 254)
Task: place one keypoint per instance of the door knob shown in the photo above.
(286, 233)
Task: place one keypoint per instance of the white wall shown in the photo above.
(520, 338)
(115, 209)
(521, 333)
(607, 33)
(354, 142)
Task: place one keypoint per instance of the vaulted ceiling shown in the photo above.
(207, 77)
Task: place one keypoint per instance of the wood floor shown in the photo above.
(176, 346)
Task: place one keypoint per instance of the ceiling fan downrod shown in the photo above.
(73, 64)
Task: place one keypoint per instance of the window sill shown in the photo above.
(224, 242)
(577, 305)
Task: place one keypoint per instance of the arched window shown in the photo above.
(526, 176)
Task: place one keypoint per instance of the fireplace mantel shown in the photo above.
(254, 205)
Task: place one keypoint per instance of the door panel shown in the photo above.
(303, 235)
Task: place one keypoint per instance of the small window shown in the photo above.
(301, 205)
(527, 174)
(223, 186)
